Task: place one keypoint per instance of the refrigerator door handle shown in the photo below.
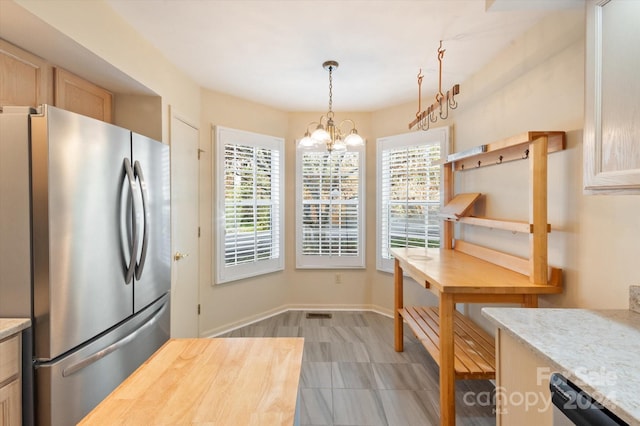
(75, 367)
(145, 207)
(135, 224)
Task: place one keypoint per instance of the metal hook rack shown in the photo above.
(444, 101)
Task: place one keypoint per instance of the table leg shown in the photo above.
(447, 368)
(530, 301)
(398, 304)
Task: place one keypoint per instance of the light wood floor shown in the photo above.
(351, 374)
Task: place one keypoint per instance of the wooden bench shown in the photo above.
(474, 348)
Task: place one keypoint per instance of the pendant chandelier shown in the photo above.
(326, 131)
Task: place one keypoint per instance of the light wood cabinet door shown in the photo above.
(25, 79)
(81, 96)
(10, 404)
(612, 115)
(11, 391)
(522, 385)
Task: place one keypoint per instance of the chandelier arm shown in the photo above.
(353, 123)
(313, 123)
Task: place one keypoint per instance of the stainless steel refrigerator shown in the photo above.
(84, 252)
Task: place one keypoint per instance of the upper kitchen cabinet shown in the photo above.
(81, 96)
(612, 90)
(25, 79)
(28, 80)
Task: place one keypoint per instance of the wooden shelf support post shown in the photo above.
(447, 186)
(399, 304)
(538, 210)
(447, 366)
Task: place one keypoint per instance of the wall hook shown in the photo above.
(526, 154)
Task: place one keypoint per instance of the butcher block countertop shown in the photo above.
(222, 381)
(11, 326)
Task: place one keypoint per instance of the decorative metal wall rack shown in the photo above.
(444, 101)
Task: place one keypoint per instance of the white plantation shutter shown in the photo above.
(329, 214)
(250, 204)
(409, 192)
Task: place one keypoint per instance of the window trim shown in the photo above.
(222, 136)
(331, 262)
(438, 134)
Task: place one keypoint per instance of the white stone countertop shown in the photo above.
(599, 350)
(9, 326)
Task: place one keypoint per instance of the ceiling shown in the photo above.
(271, 51)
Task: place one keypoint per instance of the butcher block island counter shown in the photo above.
(222, 381)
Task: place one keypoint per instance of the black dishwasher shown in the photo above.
(576, 405)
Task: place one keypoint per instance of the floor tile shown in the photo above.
(316, 407)
(404, 407)
(315, 375)
(402, 376)
(316, 352)
(349, 352)
(352, 375)
(316, 334)
(357, 407)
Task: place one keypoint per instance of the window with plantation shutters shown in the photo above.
(329, 213)
(250, 204)
(408, 192)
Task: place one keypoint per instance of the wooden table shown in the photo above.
(225, 381)
(456, 277)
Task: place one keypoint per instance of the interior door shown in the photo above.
(151, 168)
(184, 206)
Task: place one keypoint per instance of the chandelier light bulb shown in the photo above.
(354, 139)
(339, 145)
(307, 141)
(320, 134)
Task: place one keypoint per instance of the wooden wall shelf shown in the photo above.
(510, 149)
(507, 225)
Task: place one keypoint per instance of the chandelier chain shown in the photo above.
(331, 90)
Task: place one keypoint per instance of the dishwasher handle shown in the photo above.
(578, 406)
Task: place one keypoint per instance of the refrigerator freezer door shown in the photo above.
(15, 224)
(153, 266)
(69, 388)
(79, 265)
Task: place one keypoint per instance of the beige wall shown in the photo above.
(97, 28)
(536, 83)
(233, 303)
(310, 287)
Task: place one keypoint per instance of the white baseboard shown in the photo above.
(217, 331)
